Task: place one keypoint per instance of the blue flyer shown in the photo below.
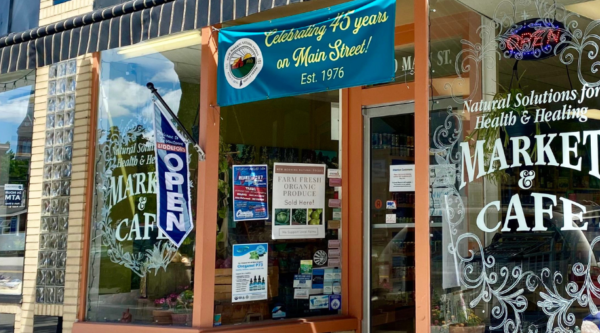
(250, 192)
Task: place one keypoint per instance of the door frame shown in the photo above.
(380, 110)
(352, 101)
(354, 130)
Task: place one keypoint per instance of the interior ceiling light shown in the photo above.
(161, 45)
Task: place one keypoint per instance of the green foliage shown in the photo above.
(223, 195)
(13, 171)
(469, 318)
(490, 134)
(299, 216)
(185, 301)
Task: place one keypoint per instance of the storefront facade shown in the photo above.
(463, 198)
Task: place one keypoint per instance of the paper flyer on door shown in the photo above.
(250, 272)
(402, 178)
(250, 192)
(298, 200)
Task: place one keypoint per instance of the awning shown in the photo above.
(117, 26)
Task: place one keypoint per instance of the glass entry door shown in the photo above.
(389, 219)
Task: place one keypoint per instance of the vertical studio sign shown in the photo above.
(173, 198)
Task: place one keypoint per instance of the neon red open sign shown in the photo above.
(536, 39)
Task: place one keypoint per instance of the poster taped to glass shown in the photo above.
(250, 276)
(298, 200)
(250, 184)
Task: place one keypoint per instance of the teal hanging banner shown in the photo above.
(346, 45)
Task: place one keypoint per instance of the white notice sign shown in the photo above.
(402, 178)
(298, 200)
(390, 218)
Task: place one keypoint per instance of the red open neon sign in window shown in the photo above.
(536, 39)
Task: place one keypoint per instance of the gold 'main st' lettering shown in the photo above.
(302, 56)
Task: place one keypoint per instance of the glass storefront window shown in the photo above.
(404, 47)
(278, 135)
(16, 129)
(514, 179)
(404, 50)
(7, 321)
(136, 275)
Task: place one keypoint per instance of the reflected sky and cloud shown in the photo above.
(13, 110)
(125, 100)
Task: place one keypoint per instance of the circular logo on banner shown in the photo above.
(243, 62)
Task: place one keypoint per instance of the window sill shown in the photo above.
(310, 325)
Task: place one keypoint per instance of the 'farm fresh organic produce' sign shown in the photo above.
(298, 201)
(342, 46)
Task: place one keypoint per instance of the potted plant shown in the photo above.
(182, 315)
(440, 315)
(438, 321)
(468, 322)
(162, 315)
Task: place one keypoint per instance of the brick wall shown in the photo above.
(50, 13)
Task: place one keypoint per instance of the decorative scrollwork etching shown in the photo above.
(112, 143)
(445, 138)
(554, 305)
(504, 287)
(447, 153)
(454, 211)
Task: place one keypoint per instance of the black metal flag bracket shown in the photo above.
(201, 155)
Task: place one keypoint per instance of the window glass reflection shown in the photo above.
(16, 127)
(136, 274)
(301, 130)
(514, 182)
